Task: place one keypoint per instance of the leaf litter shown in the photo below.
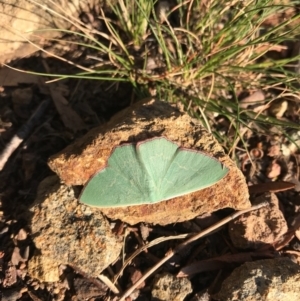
(276, 170)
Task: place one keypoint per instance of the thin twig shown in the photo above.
(187, 242)
(23, 133)
(145, 247)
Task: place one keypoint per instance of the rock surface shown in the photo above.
(146, 119)
(66, 232)
(168, 287)
(263, 280)
(22, 20)
(259, 227)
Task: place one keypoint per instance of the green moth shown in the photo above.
(151, 171)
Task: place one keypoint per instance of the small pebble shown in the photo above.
(22, 273)
(60, 297)
(36, 287)
(4, 230)
(62, 269)
(65, 284)
(11, 222)
(29, 281)
(22, 235)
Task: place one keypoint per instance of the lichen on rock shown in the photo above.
(67, 232)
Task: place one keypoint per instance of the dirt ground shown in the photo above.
(39, 120)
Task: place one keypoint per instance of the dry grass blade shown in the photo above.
(125, 15)
(215, 51)
(111, 285)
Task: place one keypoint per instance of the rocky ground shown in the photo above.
(55, 136)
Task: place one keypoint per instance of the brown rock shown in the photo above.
(43, 268)
(259, 227)
(146, 119)
(18, 23)
(10, 275)
(21, 20)
(66, 232)
(168, 287)
(263, 280)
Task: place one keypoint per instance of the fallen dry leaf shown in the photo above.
(271, 187)
(33, 296)
(277, 109)
(135, 275)
(12, 78)
(274, 170)
(256, 98)
(88, 288)
(19, 255)
(68, 116)
(274, 150)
